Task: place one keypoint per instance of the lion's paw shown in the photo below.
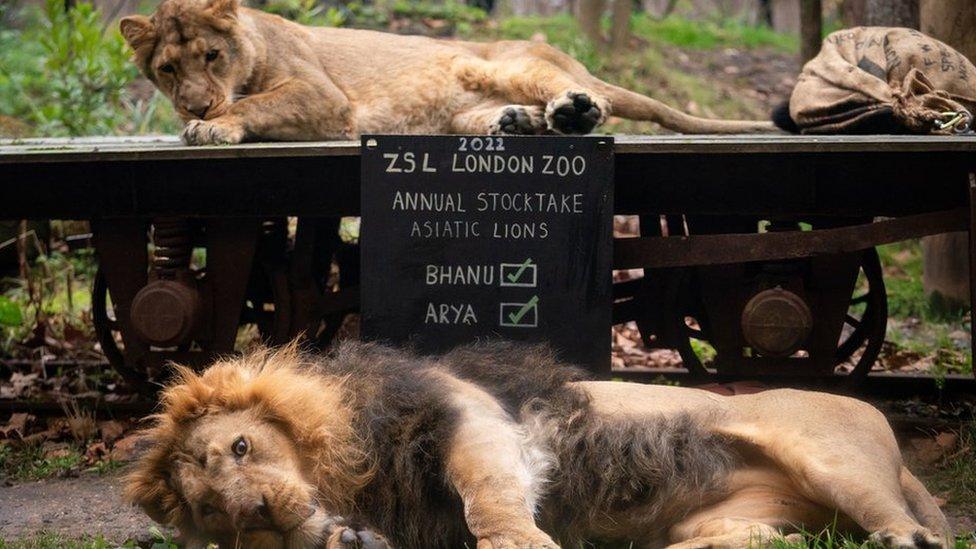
(576, 112)
(356, 538)
(519, 120)
(212, 132)
(918, 539)
(517, 541)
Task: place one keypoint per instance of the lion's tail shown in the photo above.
(635, 106)
(923, 505)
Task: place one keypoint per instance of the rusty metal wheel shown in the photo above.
(866, 321)
(678, 289)
(268, 303)
(108, 332)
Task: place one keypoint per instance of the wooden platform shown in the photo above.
(170, 148)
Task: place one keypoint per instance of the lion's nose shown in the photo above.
(257, 515)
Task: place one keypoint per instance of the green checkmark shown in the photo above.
(522, 268)
(517, 316)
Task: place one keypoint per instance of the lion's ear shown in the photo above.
(138, 31)
(223, 9)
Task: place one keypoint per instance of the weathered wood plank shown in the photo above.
(108, 149)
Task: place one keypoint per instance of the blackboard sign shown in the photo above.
(467, 238)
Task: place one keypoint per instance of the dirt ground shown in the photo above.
(90, 505)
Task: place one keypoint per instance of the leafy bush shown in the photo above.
(66, 73)
(86, 70)
(452, 11)
(307, 12)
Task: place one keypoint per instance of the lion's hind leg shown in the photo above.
(763, 505)
(728, 533)
(538, 74)
(497, 119)
(923, 505)
(843, 454)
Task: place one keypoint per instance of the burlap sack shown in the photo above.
(884, 80)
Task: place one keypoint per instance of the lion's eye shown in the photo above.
(167, 68)
(212, 54)
(239, 447)
(208, 510)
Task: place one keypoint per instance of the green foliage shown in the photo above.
(903, 281)
(10, 314)
(686, 33)
(563, 31)
(705, 352)
(560, 30)
(450, 10)
(306, 12)
(58, 292)
(368, 16)
(29, 463)
(67, 73)
(83, 72)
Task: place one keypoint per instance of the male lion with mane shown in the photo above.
(237, 74)
(498, 445)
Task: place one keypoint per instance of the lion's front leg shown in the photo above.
(487, 464)
(296, 110)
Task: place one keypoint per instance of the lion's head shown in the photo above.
(195, 51)
(251, 451)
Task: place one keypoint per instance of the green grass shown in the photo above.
(56, 541)
(562, 30)
(907, 304)
(29, 463)
(955, 478)
(646, 70)
(50, 540)
(704, 35)
(828, 539)
(903, 280)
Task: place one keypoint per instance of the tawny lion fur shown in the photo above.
(236, 74)
(500, 446)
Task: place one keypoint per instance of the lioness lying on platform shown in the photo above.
(235, 73)
(501, 445)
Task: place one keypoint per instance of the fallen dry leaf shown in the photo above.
(95, 452)
(54, 450)
(111, 430)
(930, 450)
(16, 425)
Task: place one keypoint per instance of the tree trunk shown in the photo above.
(946, 256)
(891, 13)
(811, 29)
(852, 12)
(620, 25)
(668, 9)
(765, 10)
(588, 13)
